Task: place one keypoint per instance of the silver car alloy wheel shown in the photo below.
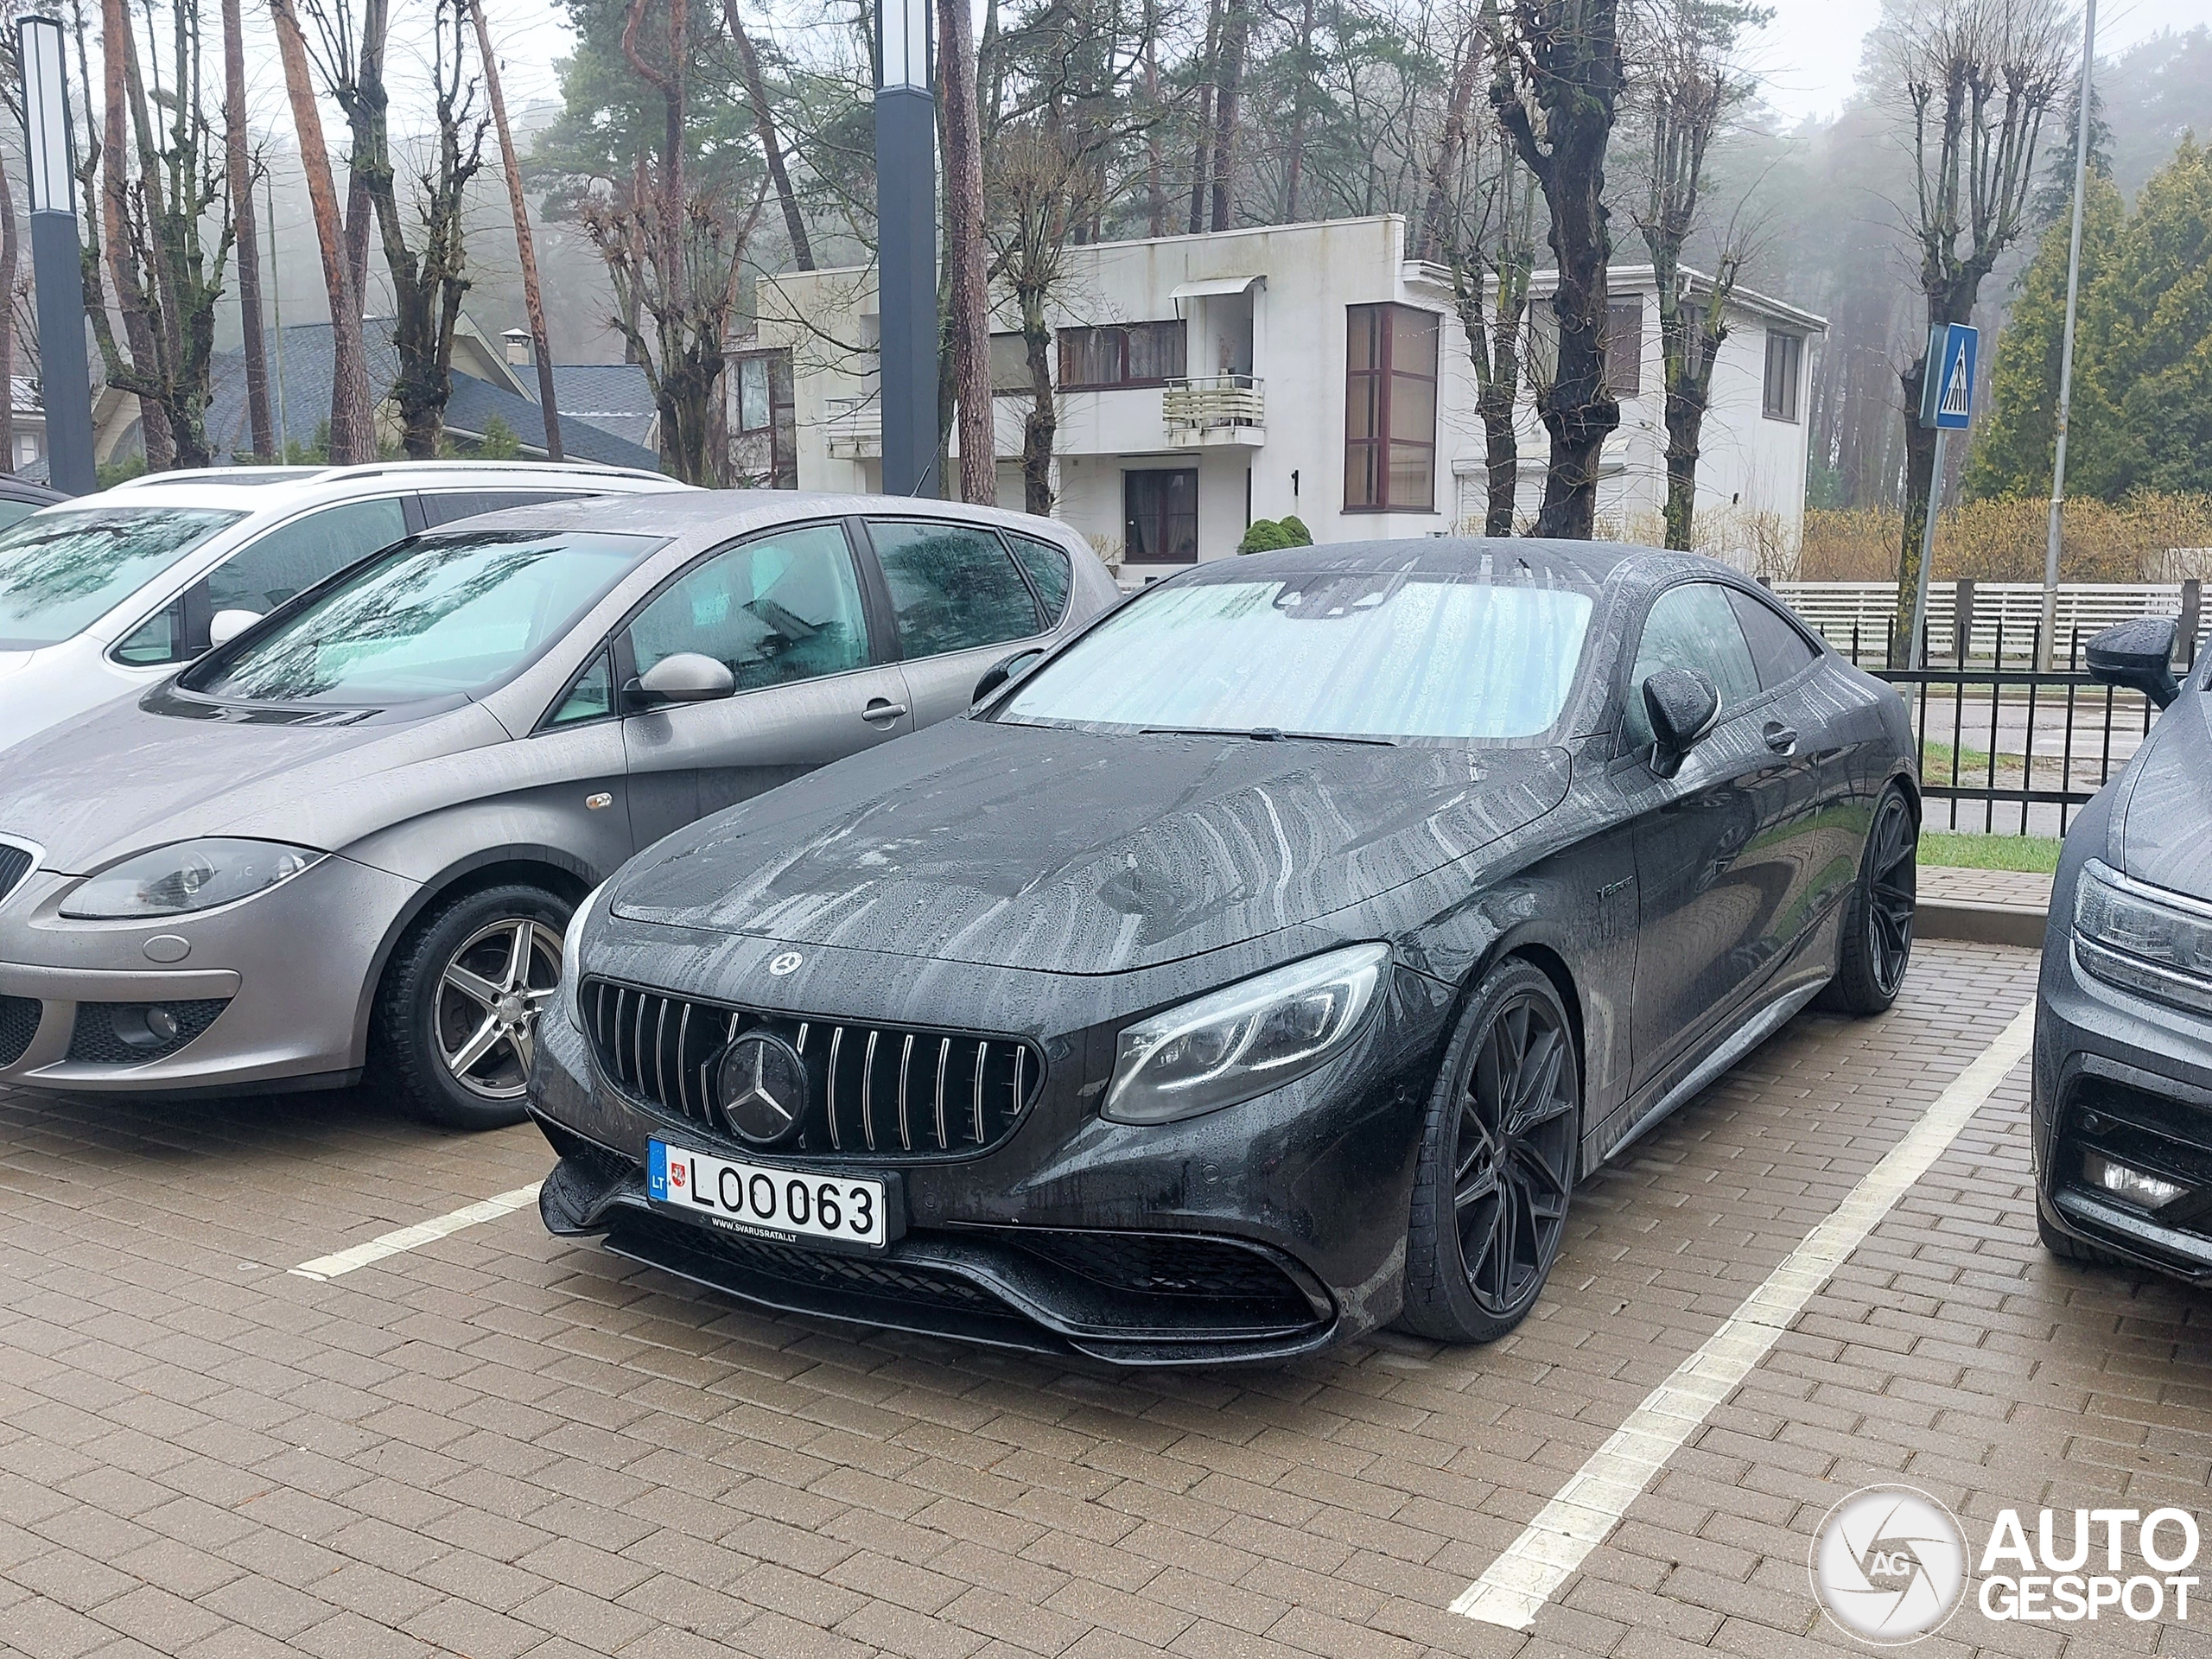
(488, 999)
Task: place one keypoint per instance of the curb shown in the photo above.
(1982, 923)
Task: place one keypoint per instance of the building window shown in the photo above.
(766, 452)
(1624, 346)
(1160, 509)
(1132, 354)
(1010, 365)
(752, 394)
(1785, 361)
(1390, 409)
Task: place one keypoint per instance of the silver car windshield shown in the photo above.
(1339, 654)
(59, 572)
(436, 617)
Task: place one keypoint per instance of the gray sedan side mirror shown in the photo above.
(226, 625)
(1682, 705)
(1006, 668)
(687, 677)
(2138, 655)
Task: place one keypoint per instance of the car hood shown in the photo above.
(2164, 838)
(1076, 852)
(120, 779)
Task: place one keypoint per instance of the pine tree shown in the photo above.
(2012, 455)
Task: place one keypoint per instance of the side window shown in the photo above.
(951, 587)
(1049, 568)
(264, 574)
(1778, 650)
(1692, 626)
(592, 698)
(784, 607)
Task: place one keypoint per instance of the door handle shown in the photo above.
(882, 708)
(1780, 738)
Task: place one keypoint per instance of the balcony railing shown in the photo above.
(1215, 408)
(854, 428)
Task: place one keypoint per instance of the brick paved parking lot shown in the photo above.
(497, 1444)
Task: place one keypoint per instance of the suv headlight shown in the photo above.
(187, 876)
(2143, 939)
(1241, 1040)
(571, 955)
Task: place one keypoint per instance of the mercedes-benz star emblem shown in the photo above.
(783, 962)
(763, 1089)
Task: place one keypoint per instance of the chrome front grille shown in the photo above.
(888, 1092)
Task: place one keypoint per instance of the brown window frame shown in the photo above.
(1772, 408)
(1623, 357)
(1161, 517)
(1069, 383)
(1384, 370)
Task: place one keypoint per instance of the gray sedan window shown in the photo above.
(1693, 626)
(784, 607)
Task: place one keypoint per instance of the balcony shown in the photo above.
(853, 429)
(1215, 410)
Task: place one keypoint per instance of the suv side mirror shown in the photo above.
(687, 677)
(1682, 705)
(1006, 668)
(225, 625)
(2138, 655)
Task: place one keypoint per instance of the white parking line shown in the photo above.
(422, 1232)
(1589, 1507)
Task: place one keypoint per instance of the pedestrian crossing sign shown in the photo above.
(1946, 395)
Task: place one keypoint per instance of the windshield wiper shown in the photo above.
(1264, 734)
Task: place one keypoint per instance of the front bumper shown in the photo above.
(2120, 1075)
(270, 991)
(1261, 1231)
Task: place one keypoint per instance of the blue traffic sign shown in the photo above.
(1946, 395)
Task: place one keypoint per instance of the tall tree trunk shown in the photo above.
(239, 170)
(533, 301)
(353, 434)
(138, 323)
(772, 149)
(1453, 144)
(1155, 157)
(1691, 337)
(967, 259)
(1295, 173)
(1042, 424)
(1202, 149)
(9, 253)
(1235, 30)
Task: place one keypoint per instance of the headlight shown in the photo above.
(1243, 1041)
(571, 962)
(2143, 939)
(188, 876)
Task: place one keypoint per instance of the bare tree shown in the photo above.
(1976, 79)
(967, 255)
(352, 413)
(1689, 90)
(1555, 83)
(1491, 250)
(105, 174)
(11, 251)
(771, 146)
(238, 178)
(1235, 41)
(533, 299)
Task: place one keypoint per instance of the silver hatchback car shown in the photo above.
(351, 837)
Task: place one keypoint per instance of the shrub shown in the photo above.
(2145, 538)
(1265, 535)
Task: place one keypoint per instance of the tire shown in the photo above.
(2068, 1249)
(1877, 944)
(450, 989)
(1487, 1217)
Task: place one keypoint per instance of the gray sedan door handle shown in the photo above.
(882, 708)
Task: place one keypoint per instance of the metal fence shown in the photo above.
(2005, 750)
(1995, 613)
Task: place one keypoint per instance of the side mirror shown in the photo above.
(1006, 668)
(687, 677)
(1682, 704)
(226, 625)
(2138, 655)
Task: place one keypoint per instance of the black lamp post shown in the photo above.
(905, 245)
(64, 377)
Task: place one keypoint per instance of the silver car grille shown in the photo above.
(875, 1092)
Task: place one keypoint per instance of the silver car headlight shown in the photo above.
(187, 876)
(571, 955)
(1243, 1039)
(2143, 939)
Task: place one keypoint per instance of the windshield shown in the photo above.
(1363, 654)
(62, 570)
(435, 618)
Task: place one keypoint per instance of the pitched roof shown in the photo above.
(612, 396)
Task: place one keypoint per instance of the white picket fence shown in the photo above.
(1835, 608)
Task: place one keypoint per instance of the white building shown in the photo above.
(1205, 381)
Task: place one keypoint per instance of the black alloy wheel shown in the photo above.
(1876, 948)
(1498, 1162)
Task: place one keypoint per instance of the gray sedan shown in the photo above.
(351, 838)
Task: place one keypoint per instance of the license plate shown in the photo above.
(792, 1206)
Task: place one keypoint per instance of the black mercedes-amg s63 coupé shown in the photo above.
(1266, 963)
